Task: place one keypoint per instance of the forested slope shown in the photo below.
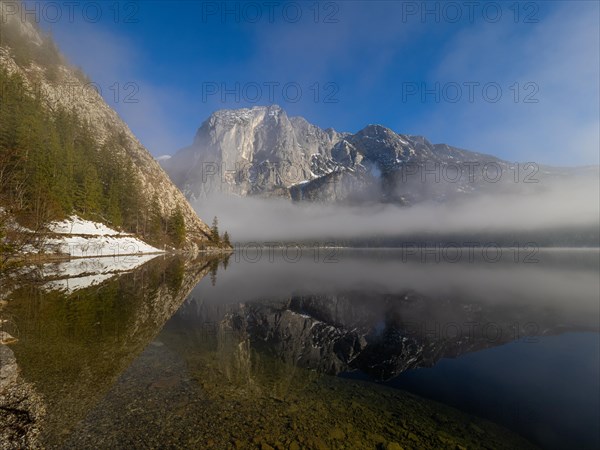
(64, 151)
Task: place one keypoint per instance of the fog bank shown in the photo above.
(559, 204)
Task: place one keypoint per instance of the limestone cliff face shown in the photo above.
(65, 87)
(257, 151)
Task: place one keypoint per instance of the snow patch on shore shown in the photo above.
(76, 225)
(84, 239)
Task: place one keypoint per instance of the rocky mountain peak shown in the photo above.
(382, 146)
(265, 148)
(375, 130)
(230, 117)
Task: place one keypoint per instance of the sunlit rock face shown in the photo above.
(261, 151)
(252, 152)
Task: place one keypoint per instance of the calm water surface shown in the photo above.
(365, 349)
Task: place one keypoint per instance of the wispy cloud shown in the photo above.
(116, 66)
(560, 54)
(369, 52)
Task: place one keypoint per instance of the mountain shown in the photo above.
(252, 151)
(261, 151)
(64, 151)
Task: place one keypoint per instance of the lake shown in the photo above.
(324, 348)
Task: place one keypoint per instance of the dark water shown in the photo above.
(339, 349)
(547, 390)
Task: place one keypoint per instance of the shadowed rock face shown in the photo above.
(261, 151)
(71, 348)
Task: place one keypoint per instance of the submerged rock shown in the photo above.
(6, 338)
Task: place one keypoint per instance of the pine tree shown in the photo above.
(177, 228)
(89, 192)
(155, 232)
(226, 240)
(131, 200)
(215, 230)
(113, 212)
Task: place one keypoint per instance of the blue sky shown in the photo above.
(528, 76)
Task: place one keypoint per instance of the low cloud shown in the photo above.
(551, 204)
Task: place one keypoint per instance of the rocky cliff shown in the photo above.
(257, 151)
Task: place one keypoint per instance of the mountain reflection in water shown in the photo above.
(245, 358)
